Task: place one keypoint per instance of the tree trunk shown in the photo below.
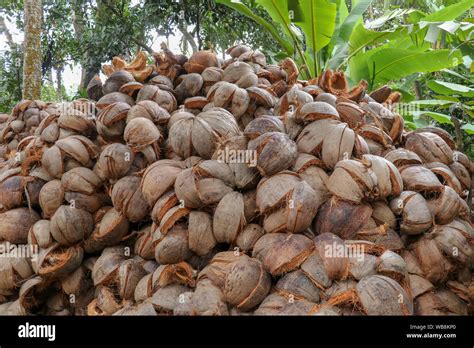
(32, 47)
(59, 82)
(78, 22)
(4, 30)
(87, 75)
(49, 76)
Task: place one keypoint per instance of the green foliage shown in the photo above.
(49, 93)
(448, 105)
(91, 33)
(11, 70)
(395, 45)
(448, 88)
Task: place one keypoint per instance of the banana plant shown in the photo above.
(413, 47)
(322, 34)
(306, 27)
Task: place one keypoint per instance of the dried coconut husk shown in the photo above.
(57, 260)
(230, 97)
(282, 252)
(382, 214)
(291, 100)
(453, 302)
(274, 151)
(341, 218)
(112, 229)
(350, 113)
(445, 207)
(314, 111)
(128, 275)
(382, 236)
(78, 282)
(299, 285)
(462, 174)
(107, 301)
(13, 271)
(315, 269)
(363, 265)
(352, 181)
(402, 157)
(415, 213)
(389, 180)
(162, 97)
(67, 153)
(249, 236)
(430, 304)
(207, 299)
(328, 246)
(114, 162)
(33, 294)
(434, 266)
(278, 304)
(218, 268)
(262, 125)
(336, 84)
(200, 134)
(188, 85)
(13, 191)
(180, 273)
(142, 309)
(273, 191)
(392, 265)
(446, 176)
(144, 244)
(128, 199)
(201, 236)
(159, 178)
(111, 121)
(456, 245)
(15, 224)
(377, 140)
(376, 295)
(70, 225)
(430, 147)
(106, 266)
(244, 170)
(246, 284)
(419, 285)
(173, 247)
(40, 234)
(297, 212)
(310, 169)
(82, 180)
(114, 97)
(229, 218)
(199, 186)
(201, 60)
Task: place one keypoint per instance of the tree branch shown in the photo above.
(135, 40)
(4, 30)
(189, 38)
(143, 45)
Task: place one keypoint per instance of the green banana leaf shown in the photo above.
(431, 102)
(438, 117)
(279, 12)
(285, 43)
(392, 64)
(344, 31)
(449, 88)
(468, 128)
(362, 37)
(450, 12)
(318, 24)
